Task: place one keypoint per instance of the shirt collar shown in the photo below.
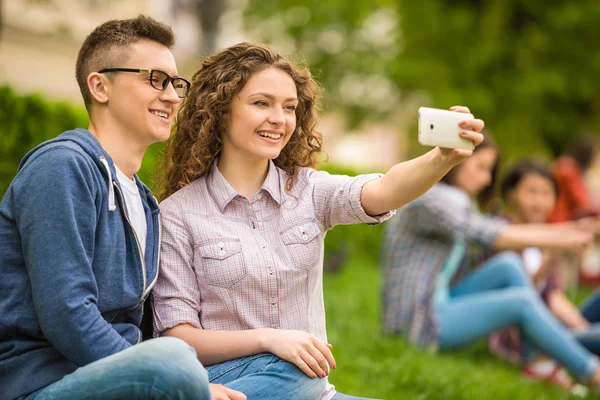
(272, 184)
(223, 193)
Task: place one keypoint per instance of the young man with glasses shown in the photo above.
(80, 235)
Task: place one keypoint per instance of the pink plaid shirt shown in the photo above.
(229, 263)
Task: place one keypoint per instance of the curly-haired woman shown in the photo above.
(245, 218)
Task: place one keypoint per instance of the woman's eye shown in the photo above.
(291, 108)
(261, 103)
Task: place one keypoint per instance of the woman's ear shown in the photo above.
(99, 86)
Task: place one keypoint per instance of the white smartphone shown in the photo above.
(440, 128)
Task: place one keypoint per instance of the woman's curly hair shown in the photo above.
(203, 115)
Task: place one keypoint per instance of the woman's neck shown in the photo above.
(244, 175)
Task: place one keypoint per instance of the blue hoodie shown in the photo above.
(72, 278)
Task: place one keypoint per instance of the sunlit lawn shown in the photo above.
(382, 367)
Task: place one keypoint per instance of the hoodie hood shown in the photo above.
(90, 145)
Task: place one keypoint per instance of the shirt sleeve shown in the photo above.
(435, 214)
(336, 199)
(55, 198)
(176, 294)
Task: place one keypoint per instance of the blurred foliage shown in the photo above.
(25, 122)
(526, 67)
(28, 120)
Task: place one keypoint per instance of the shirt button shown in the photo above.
(304, 237)
(221, 244)
(221, 253)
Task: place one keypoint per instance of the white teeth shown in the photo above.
(160, 114)
(269, 135)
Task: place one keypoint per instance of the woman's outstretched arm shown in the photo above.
(408, 180)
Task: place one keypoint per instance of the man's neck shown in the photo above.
(244, 175)
(125, 152)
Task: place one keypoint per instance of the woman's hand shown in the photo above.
(310, 354)
(470, 129)
(220, 392)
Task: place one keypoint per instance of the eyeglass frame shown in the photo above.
(170, 79)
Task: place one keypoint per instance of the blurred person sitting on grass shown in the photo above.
(430, 293)
(245, 218)
(530, 191)
(80, 234)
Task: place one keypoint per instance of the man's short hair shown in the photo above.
(107, 47)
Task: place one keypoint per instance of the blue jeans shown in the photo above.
(163, 368)
(265, 376)
(499, 295)
(591, 308)
(591, 312)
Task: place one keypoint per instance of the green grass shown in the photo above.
(372, 365)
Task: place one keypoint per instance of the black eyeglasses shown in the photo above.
(158, 79)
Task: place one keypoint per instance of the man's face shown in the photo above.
(141, 112)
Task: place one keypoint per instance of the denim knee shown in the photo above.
(512, 265)
(175, 369)
(306, 388)
(526, 298)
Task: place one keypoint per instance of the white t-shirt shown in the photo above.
(135, 208)
(532, 258)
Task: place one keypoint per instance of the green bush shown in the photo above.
(26, 121)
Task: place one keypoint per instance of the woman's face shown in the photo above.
(533, 198)
(475, 173)
(263, 117)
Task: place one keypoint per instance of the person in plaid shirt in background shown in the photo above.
(245, 218)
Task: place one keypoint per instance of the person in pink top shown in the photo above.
(245, 218)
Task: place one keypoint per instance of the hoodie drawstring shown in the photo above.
(111, 190)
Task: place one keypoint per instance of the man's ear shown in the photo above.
(99, 86)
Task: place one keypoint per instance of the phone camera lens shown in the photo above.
(431, 126)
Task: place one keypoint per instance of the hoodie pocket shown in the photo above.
(223, 262)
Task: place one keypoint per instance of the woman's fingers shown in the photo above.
(473, 136)
(300, 363)
(312, 362)
(315, 353)
(476, 125)
(461, 109)
(462, 153)
(325, 349)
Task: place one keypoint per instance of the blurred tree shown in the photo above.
(526, 67)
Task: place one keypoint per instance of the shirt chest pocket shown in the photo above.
(302, 244)
(223, 262)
